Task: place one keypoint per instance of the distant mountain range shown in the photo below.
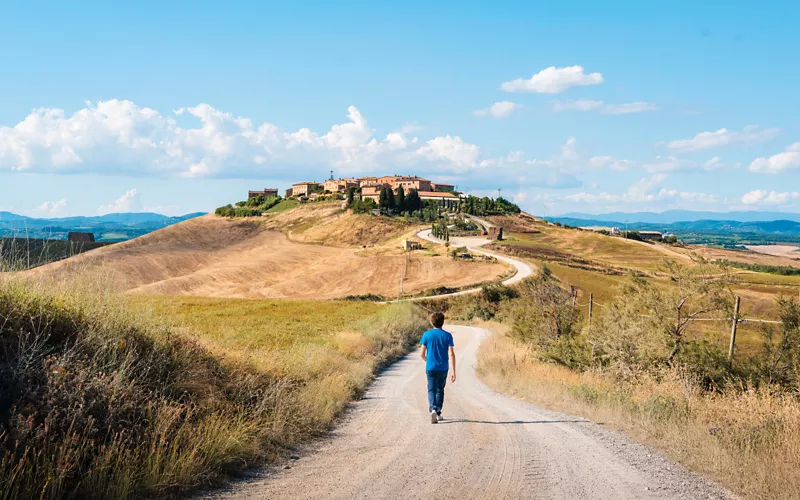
(671, 216)
(110, 227)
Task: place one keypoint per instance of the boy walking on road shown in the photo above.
(437, 347)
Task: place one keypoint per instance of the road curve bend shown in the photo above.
(489, 447)
(473, 244)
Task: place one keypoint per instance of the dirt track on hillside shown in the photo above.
(489, 446)
(216, 257)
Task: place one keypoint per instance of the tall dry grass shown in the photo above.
(746, 439)
(101, 400)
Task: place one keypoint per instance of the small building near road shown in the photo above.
(80, 237)
(409, 245)
(495, 233)
(266, 193)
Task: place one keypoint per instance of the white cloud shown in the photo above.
(52, 207)
(120, 137)
(451, 150)
(787, 160)
(128, 202)
(764, 197)
(498, 110)
(723, 137)
(597, 162)
(553, 80)
(644, 191)
(608, 109)
(668, 164)
(578, 105)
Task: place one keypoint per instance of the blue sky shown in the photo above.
(565, 106)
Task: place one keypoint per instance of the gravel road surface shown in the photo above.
(490, 447)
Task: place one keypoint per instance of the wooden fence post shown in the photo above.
(734, 324)
(591, 306)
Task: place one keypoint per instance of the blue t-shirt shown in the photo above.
(438, 343)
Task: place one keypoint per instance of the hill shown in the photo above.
(671, 216)
(722, 232)
(270, 257)
(108, 228)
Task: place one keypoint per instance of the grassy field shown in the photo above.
(611, 251)
(597, 264)
(285, 204)
(748, 441)
(26, 253)
(131, 397)
(261, 332)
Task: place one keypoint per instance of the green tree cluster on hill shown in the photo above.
(253, 207)
(488, 206)
(409, 204)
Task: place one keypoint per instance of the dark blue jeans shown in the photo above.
(436, 382)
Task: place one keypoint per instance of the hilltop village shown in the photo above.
(370, 188)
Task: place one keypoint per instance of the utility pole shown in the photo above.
(591, 306)
(734, 324)
(626, 230)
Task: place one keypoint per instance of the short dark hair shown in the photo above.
(437, 319)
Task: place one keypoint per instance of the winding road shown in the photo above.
(473, 244)
(489, 447)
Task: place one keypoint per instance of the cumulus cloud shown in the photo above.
(723, 137)
(781, 162)
(128, 202)
(553, 80)
(52, 207)
(602, 107)
(498, 110)
(644, 191)
(452, 151)
(115, 136)
(764, 197)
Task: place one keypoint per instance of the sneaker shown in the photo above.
(434, 417)
(439, 416)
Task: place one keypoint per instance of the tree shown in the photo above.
(413, 202)
(401, 199)
(650, 326)
(386, 199)
(351, 195)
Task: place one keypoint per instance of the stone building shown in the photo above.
(266, 193)
(304, 188)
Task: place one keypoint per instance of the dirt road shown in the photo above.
(489, 447)
(473, 244)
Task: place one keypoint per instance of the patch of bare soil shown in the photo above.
(218, 257)
(746, 256)
(515, 224)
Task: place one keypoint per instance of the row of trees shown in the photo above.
(441, 230)
(489, 206)
(401, 203)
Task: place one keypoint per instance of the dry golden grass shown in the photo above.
(747, 440)
(326, 223)
(152, 396)
(218, 257)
